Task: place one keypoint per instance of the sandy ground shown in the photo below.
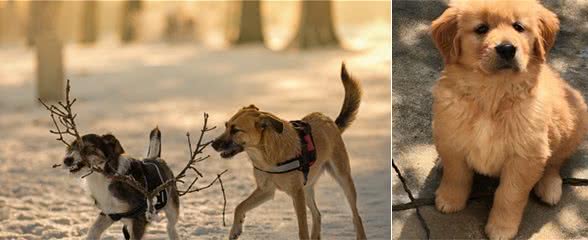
(416, 66)
(127, 91)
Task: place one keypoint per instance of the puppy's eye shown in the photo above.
(481, 29)
(518, 26)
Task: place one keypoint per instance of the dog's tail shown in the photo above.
(154, 150)
(351, 102)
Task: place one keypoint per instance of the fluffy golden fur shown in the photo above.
(511, 117)
(269, 140)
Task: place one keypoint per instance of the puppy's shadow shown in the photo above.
(564, 220)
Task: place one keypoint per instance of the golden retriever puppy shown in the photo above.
(500, 110)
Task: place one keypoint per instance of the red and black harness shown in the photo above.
(307, 155)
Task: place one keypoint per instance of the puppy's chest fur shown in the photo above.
(491, 128)
(98, 187)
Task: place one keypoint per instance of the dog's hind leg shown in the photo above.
(99, 226)
(316, 214)
(138, 227)
(172, 213)
(340, 171)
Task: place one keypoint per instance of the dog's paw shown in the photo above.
(236, 231)
(448, 202)
(495, 232)
(548, 189)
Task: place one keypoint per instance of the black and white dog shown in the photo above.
(118, 200)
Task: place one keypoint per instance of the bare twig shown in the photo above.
(66, 118)
(412, 199)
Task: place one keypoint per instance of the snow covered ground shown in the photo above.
(129, 90)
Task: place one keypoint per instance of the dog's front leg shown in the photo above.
(456, 182)
(99, 226)
(300, 207)
(516, 181)
(256, 198)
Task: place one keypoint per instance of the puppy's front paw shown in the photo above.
(449, 201)
(548, 189)
(235, 231)
(503, 232)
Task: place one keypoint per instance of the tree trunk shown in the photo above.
(316, 28)
(130, 20)
(89, 31)
(50, 84)
(250, 29)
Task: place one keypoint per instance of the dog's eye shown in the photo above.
(481, 29)
(518, 26)
(234, 130)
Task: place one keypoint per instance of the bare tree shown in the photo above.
(130, 20)
(250, 25)
(89, 31)
(316, 28)
(49, 49)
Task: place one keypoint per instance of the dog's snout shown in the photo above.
(506, 51)
(218, 144)
(68, 161)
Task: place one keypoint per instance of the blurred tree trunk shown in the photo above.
(250, 29)
(316, 28)
(33, 18)
(130, 20)
(48, 45)
(89, 31)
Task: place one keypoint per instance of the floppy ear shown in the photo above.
(270, 121)
(114, 149)
(548, 28)
(251, 106)
(444, 33)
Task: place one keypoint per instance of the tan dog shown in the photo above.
(269, 140)
(500, 110)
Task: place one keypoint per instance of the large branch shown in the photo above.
(64, 121)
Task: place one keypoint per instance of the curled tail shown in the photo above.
(351, 102)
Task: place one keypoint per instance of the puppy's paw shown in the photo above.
(449, 202)
(548, 189)
(236, 231)
(495, 232)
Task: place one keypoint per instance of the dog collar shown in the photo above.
(304, 160)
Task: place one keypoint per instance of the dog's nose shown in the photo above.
(68, 161)
(506, 51)
(217, 144)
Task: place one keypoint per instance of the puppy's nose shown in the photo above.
(506, 51)
(68, 161)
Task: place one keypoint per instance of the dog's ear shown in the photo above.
(270, 121)
(548, 28)
(444, 33)
(252, 107)
(113, 147)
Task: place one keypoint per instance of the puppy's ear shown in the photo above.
(266, 121)
(444, 33)
(548, 28)
(114, 149)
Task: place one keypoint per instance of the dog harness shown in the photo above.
(152, 178)
(303, 161)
